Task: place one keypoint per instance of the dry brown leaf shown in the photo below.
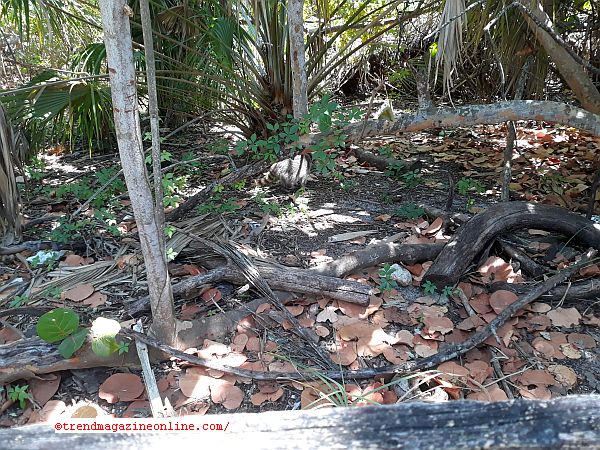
(479, 370)
(500, 299)
(321, 331)
(85, 412)
(79, 292)
(211, 295)
(590, 271)
(536, 378)
(314, 395)
(570, 351)
(261, 397)
(295, 310)
(481, 303)
(564, 317)
(395, 355)
(546, 348)
(352, 310)
(328, 314)
(539, 307)
(228, 395)
(345, 354)
(211, 348)
(138, 409)
(263, 307)
(239, 342)
(72, 260)
(95, 300)
(405, 337)
(51, 412)
(121, 387)
(306, 322)
(425, 350)
(42, 390)
(539, 393)
(438, 325)
(434, 227)
(564, 375)
(470, 323)
(583, 341)
(453, 369)
(491, 394)
(195, 383)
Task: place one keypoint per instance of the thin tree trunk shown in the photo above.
(119, 52)
(299, 83)
(159, 211)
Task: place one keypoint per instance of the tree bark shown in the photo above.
(572, 72)
(465, 116)
(119, 52)
(568, 422)
(299, 83)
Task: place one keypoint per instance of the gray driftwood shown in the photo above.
(564, 423)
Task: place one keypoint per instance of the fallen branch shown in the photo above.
(384, 163)
(289, 280)
(248, 171)
(465, 116)
(577, 290)
(377, 254)
(476, 234)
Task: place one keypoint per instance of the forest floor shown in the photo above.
(549, 349)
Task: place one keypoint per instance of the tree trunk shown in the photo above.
(572, 72)
(119, 52)
(296, 30)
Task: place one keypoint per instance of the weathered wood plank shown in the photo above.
(568, 422)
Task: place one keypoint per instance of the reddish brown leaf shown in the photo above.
(121, 387)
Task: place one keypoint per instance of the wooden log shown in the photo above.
(476, 234)
(568, 422)
(377, 254)
(288, 280)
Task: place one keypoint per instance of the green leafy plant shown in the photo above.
(429, 287)
(448, 291)
(409, 211)
(53, 292)
(18, 301)
(169, 231)
(386, 282)
(467, 186)
(411, 178)
(19, 394)
(386, 150)
(240, 185)
(35, 168)
(395, 170)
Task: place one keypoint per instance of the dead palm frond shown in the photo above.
(12, 148)
(450, 40)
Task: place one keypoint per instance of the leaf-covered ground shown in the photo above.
(549, 349)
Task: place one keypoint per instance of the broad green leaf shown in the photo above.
(57, 324)
(72, 343)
